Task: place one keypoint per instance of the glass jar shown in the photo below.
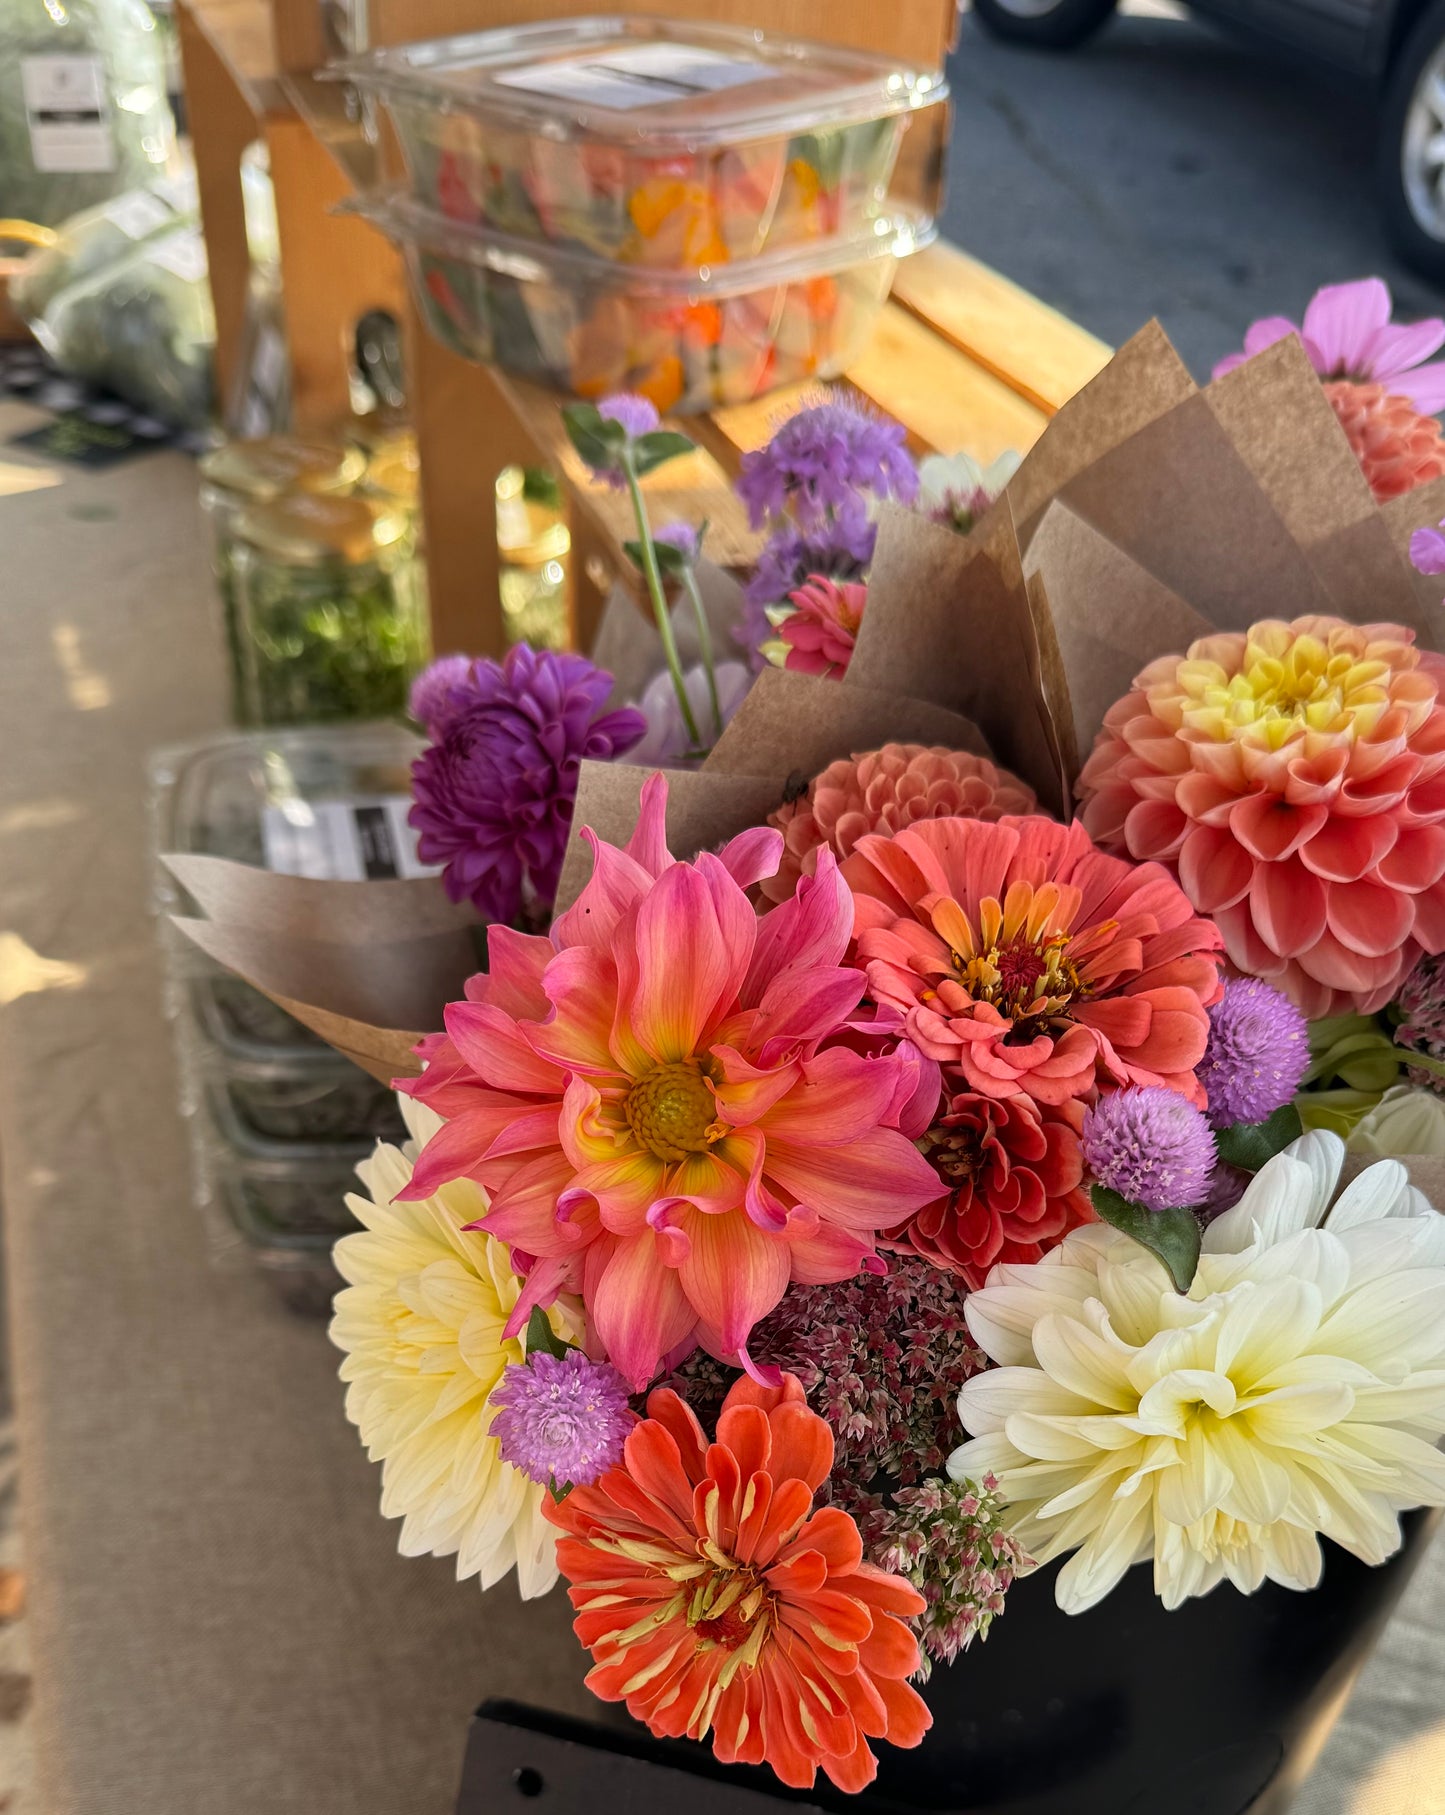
(239, 474)
(330, 616)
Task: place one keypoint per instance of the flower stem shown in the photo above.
(704, 643)
(652, 573)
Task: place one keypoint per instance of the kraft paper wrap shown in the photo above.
(1149, 513)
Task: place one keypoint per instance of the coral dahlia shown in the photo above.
(652, 1100)
(1293, 777)
(713, 1596)
(820, 630)
(1024, 959)
(885, 791)
(1397, 447)
(1012, 1173)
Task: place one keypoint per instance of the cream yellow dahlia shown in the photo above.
(1297, 1390)
(421, 1323)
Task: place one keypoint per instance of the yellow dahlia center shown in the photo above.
(1302, 683)
(672, 1110)
(1016, 954)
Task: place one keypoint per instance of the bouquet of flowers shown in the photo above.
(910, 1156)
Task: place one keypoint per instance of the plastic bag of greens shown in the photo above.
(143, 327)
(83, 109)
(101, 236)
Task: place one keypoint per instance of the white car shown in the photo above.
(1397, 46)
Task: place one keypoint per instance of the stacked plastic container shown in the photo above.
(278, 1120)
(697, 213)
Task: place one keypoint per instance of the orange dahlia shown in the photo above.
(1012, 1176)
(1397, 446)
(884, 791)
(713, 1596)
(1293, 778)
(1023, 959)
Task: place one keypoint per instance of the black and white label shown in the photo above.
(68, 114)
(365, 839)
(643, 75)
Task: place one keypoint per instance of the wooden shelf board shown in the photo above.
(326, 108)
(240, 33)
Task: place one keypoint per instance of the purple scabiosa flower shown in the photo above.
(439, 692)
(493, 796)
(1257, 1056)
(1427, 550)
(820, 459)
(1151, 1145)
(1421, 1004)
(561, 1418)
(666, 744)
(631, 412)
(681, 536)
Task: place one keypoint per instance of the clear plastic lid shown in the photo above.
(649, 82)
(529, 261)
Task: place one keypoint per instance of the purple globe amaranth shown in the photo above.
(561, 1418)
(1257, 1056)
(439, 692)
(1151, 1145)
(821, 459)
(493, 796)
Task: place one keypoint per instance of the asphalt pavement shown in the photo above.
(1166, 169)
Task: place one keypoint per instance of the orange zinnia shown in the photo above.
(711, 1594)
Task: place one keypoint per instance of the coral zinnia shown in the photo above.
(884, 791)
(1299, 1388)
(1026, 960)
(712, 1595)
(650, 1097)
(1013, 1183)
(1294, 778)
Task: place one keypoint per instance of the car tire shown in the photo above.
(1410, 162)
(1048, 24)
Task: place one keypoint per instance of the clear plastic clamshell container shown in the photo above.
(696, 341)
(651, 143)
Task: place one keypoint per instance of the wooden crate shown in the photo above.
(962, 357)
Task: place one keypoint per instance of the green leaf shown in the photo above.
(595, 438)
(559, 1494)
(652, 451)
(541, 1335)
(1172, 1235)
(1250, 1144)
(671, 560)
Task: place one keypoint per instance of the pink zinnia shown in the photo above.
(1293, 778)
(1023, 959)
(823, 627)
(654, 1100)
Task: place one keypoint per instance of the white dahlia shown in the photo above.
(1298, 1389)
(421, 1322)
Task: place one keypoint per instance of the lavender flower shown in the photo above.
(820, 459)
(666, 743)
(681, 536)
(439, 692)
(1151, 1145)
(1427, 550)
(1257, 1056)
(493, 796)
(561, 1419)
(631, 412)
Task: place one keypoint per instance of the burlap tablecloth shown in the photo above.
(221, 1625)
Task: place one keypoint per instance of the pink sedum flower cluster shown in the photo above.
(656, 1100)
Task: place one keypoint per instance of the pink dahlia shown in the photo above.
(823, 626)
(1012, 1177)
(1347, 333)
(1293, 778)
(1021, 958)
(884, 791)
(655, 1099)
